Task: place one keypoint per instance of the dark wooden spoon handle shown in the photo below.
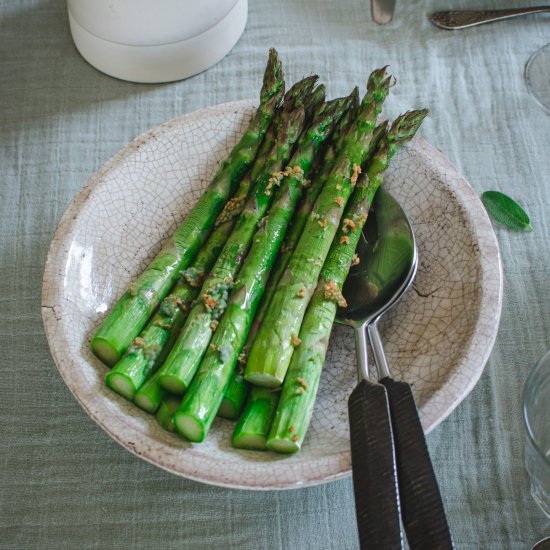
(373, 467)
(421, 505)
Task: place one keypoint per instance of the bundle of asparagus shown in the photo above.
(249, 285)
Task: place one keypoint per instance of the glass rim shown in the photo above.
(530, 61)
(526, 385)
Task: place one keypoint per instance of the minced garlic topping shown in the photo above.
(295, 341)
(348, 224)
(334, 294)
(355, 174)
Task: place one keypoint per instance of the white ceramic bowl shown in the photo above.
(437, 338)
(160, 41)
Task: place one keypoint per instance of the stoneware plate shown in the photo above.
(438, 338)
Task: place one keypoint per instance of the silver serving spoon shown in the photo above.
(451, 20)
(388, 444)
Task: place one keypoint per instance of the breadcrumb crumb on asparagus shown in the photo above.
(139, 342)
(214, 325)
(344, 239)
(209, 301)
(295, 438)
(232, 208)
(295, 341)
(160, 324)
(275, 179)
(178, 302)
(292, 428)
(339, 201)
(192, 277)
(334, 294)
(300, 391)
(338, 187)
(348, 225)
(302, 382)
(322, 223)
(355, 260)
(355, 174)
(361, 219)
(213, 347)
(301, 293)
(169, 305)
(294, 172)
(215, 300)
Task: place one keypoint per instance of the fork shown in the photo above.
(463, 19)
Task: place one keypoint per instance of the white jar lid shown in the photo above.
(155, 44)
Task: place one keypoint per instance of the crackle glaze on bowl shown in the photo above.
(438, 338)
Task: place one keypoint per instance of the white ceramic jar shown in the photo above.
(155, 40)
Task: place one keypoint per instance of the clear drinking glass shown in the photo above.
(537, 76)
(536, 414)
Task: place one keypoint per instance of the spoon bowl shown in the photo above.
(388, 261)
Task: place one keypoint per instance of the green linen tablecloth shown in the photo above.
(66, 484)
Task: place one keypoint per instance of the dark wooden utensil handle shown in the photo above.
(373, 467)
(421, 505)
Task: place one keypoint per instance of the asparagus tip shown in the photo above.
(406, 125)
(273, 77)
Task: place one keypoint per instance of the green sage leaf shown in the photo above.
(506, 210)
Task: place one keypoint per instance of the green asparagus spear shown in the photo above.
(199, 406)
(166, 412)
(150, 395)
(185, 357)
(272, 350)
(131, 312)
(237, 390)
(300, 386)
(254, 424)
(234, 396)
(296, 229)
(150, 348)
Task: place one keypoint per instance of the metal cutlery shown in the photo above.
(452, 20)
(387, 439)
(382, 11)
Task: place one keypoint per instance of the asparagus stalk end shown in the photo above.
(121, 384)
(106, 351)
(190, 428)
